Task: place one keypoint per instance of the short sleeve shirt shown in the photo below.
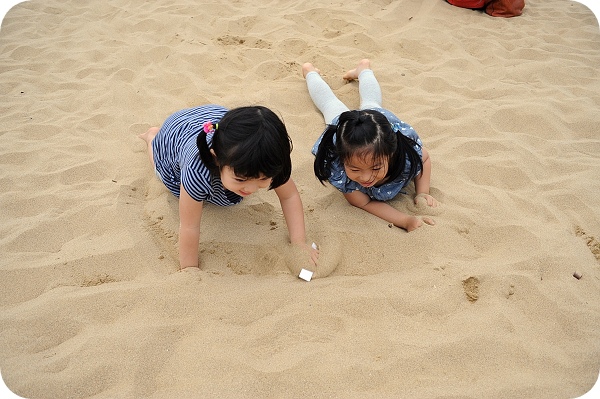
(177, 158)
(386, 191)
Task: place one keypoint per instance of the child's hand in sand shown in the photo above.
(413, 223)
(311, 251)
(425, 199)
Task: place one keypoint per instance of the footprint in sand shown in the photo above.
(591, 241)
(471, 287)
(98, 280)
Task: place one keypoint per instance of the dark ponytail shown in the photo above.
(204, 150)
(406, 153)
(326, 152)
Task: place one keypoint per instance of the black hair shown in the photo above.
(251, 140)
(366, 133)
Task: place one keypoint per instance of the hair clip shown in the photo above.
(208, 127)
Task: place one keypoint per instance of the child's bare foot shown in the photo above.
(352, 74)
(149, 134)
(308, 67)
(147, 137)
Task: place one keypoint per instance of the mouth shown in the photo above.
(368, 184)
(244, 193)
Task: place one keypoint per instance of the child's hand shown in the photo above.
(311, 251)
(314, 253)
(426, 199)
(413, 223)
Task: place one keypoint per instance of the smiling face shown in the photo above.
(241, 185)
(366, 170)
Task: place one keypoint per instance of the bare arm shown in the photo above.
(383, 211)
(190, 214)
(293, 212)
(423, 180)
(291, 204)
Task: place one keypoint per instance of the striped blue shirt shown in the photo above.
(177, 159)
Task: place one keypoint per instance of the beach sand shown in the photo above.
(482, 305)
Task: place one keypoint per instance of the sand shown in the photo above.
(482, 305)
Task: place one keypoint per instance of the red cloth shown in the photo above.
(468, 3)
(495, 8)
(505, 8)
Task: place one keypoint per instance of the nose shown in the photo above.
(366, 176)
(253, 186)
(250, 187)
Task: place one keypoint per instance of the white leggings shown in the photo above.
(330, 106)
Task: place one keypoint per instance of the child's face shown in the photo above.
(365, 170)
(241, 185)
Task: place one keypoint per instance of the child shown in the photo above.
(369, 154)
(212, 154)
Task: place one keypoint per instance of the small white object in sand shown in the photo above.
(314, 246)
(305, 274)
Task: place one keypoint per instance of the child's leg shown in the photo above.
(369, 90)
(321, 94)
(368, 87)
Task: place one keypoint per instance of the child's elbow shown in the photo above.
(357, 201)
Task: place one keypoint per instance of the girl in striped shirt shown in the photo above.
(212, 154)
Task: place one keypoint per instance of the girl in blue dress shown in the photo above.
(368, 154)
(212, 154)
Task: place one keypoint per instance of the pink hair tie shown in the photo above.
(208, 127)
